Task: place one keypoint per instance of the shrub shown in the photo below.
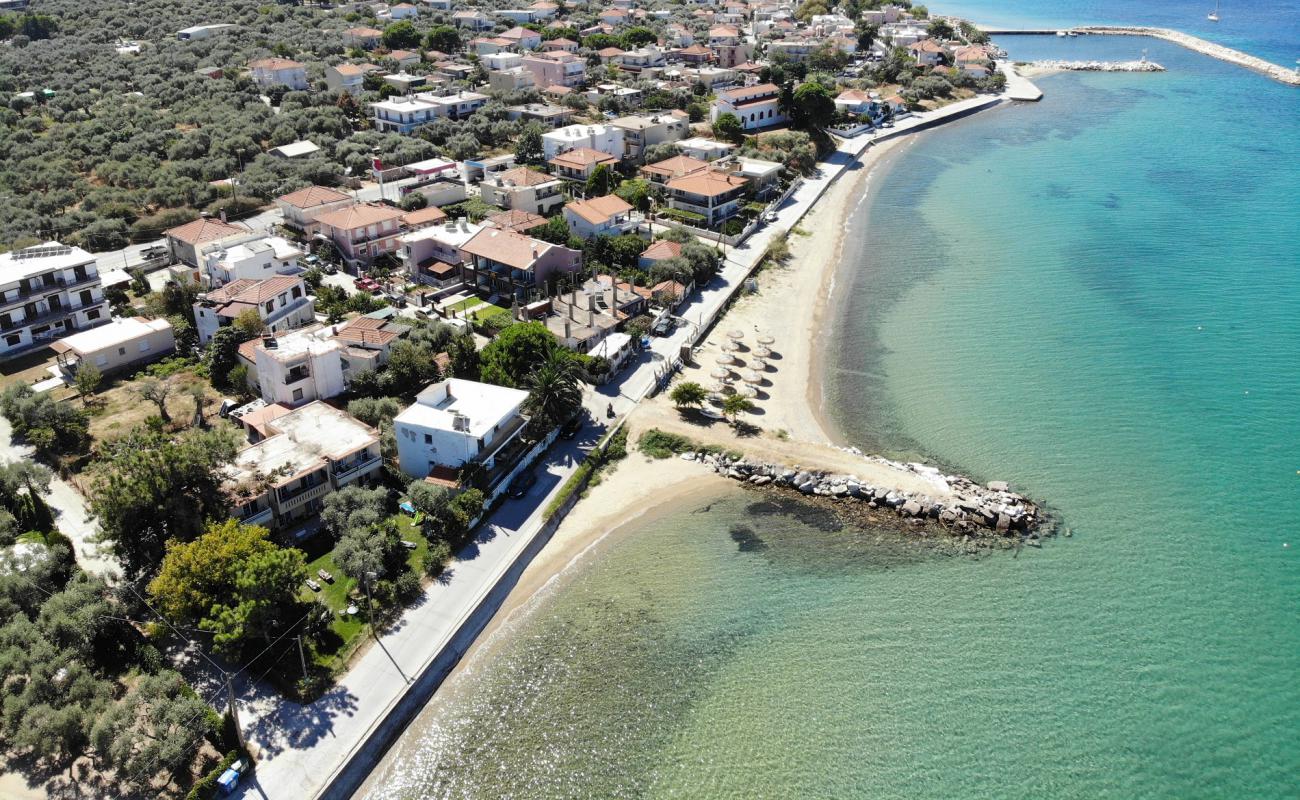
(660, 444)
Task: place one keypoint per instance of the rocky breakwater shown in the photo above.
(958, 504)
(1100, 66)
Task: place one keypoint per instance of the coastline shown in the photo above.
(641, 490)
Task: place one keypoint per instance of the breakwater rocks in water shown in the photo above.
(959, 504)
(1274, 71)
(1100, 66)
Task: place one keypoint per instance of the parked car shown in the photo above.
(663, 327)
(520, 486)
(325, 576)
(571, 428)
(157, 251)
(313, 585)
(409, 545)
(770, 216)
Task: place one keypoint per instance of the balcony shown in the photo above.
(346, 473)
(263, 518)
(295, 375)
(294, 499)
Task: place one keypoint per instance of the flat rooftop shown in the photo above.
(303, 439)
(485, 405)
(20, 264)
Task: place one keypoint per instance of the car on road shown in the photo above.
(520, 486)
(156, 251)
(770, 216)
(663, 327)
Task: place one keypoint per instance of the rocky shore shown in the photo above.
(958, 504)
(1100, 66)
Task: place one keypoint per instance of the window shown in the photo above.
(87, 297)
(121, 351)
(13, 340)
(428, 438)
(297, 394)
(270, 306)
(297, 292)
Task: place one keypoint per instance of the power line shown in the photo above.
(175, 630)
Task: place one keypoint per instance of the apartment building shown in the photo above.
(605, 138)
(512, 264)
(306, 454)
(581, 163)
(601, 216)
(756, 106)
(434, 256)
(256, 259)
(362, 232)
(715, 196)
(47, 292)
(640, 132)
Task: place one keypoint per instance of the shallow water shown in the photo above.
(1097, 298)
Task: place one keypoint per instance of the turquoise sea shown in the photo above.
(1096, 297)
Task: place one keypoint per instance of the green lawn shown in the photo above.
(487, 312)
(337, 595)
(461, 305)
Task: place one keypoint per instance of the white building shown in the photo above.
(433, 254)
(455, 422)
(317, 362)
(756, 106)
(47, 292)
(257, 260)
(605, 138)
(306, 454)
(282, 303)
(120, 344)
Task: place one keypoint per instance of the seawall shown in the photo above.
(1291, 77)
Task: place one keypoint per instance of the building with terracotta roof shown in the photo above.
(928, 53)
(433, 255)
(579, 164)
(715, 196)
(301, 208)
(362, 232)
(187, 242)
(307, 453)
(317, 362)
(522, 38)
(268, 72)
(560, 45)
(523, 189)
(348, 78)
(423, 218)
(366, 38)
(757, 106)
(601, 216)
(514, 265)
(556, 68)
(661, 172)
(659, 250)
(513, 220)
(282, 303)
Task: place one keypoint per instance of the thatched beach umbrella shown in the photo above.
(731, 347)
(720, 374)
(763, 352)
(735, 333)
(748, 391)
(726, 358)
(760, 363)
(766, 339)
(753, 377)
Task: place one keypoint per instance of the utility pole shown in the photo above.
(302, 659)
(370, 604)
(233, 710)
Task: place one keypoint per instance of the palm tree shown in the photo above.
(554, 389)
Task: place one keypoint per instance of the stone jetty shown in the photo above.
(1101, 66)
(959, 504)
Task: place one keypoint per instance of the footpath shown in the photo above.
(327, 748)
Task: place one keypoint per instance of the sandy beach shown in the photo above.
(793, 304)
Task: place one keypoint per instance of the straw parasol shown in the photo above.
(735, 333)
(766, 339)
(748, 391)
(763, 352)
(760, 363)
(726, 358)
(752, 377)
(720, 374)
(731, 346)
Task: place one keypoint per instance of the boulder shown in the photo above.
(912, 508)
(687, 456)
(839, 490)
(998, 486)
(760, 480)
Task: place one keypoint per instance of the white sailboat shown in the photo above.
(1214, 15)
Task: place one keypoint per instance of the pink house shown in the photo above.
(362, 232)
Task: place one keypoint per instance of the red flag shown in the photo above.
(377, 164)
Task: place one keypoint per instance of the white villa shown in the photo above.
(457, 421)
